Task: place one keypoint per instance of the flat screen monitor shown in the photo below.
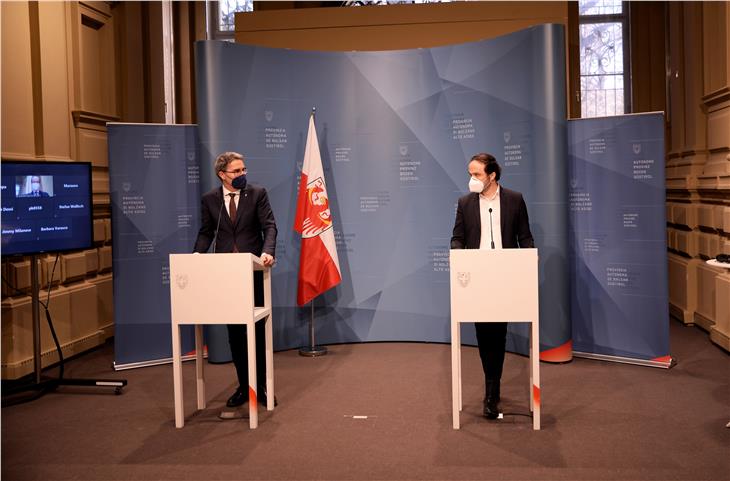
(46, 207)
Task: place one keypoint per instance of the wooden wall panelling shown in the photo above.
(720, 332)
(19, 273)
(393, 27)
(694, 145)
(73, 267)
(675, 109)
(92, 261)
(83, 306)
(97, 74)
(18, 141)
(57, 131)
(715, 179)
(17, 332)
(705, 313)
(154, 67)
(100, 231)
(716, 31)
(105, 258)
(104, 303)
(648, 72)
(130, 55)
(682, 301)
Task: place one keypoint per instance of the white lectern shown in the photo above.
(494, 286)
(219, 289)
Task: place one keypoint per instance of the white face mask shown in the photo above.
(476, 185)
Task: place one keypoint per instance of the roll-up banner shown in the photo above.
(396, 130)
(618, 249)
(154, 176)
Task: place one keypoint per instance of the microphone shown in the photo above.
(217, 226)
(491, 230)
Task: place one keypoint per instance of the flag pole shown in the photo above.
(313, 350)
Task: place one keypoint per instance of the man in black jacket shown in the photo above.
(237, 217)
(490, 217)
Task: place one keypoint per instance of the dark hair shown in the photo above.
(489, 162)
(222, 161)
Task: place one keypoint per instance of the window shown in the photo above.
(359, 3)
(604, 79)
(224, 12)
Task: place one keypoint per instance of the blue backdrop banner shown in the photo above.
(154, 177)
(620, 303)
(396, 130)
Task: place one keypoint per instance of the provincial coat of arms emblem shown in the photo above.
(318, 217)
(181, 280)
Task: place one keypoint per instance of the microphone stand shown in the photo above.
(491, 229)
(218, 225)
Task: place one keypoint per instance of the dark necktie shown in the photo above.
(232, 215)
(232, 207)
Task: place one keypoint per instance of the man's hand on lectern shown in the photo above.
(267, 259)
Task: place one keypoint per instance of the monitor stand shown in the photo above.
(42, 385)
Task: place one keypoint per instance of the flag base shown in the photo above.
(313, 351)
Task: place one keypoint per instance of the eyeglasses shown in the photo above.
(236, 171)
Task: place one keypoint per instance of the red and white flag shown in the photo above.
(319, 267)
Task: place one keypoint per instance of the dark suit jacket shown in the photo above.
(514, 223)
(255, 228)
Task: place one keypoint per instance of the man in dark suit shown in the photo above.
(490, 217)
(36, 188)
(237, 217)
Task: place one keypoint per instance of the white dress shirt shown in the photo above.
(227, 199)
(486, 203)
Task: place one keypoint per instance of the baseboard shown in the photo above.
(23, 367)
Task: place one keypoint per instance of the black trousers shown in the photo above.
(491, 339)
(238, 340)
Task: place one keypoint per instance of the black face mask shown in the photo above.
(239, 182)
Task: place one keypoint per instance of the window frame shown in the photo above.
(214, 24)
(624, 19)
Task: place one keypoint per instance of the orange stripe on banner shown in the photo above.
(253, 402)
(536, 394)
(558, 354)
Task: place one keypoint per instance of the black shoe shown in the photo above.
(239, 398)
(491, 408)
(263, 399)
(491, 400)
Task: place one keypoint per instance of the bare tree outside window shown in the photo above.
(227, 10)
(599, 7)
(602, 58)
(362, 3)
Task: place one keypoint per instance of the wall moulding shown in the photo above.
(103, 8)
(17, 156)
(717, 97)
(92, 120)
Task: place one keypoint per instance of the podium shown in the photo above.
(219, 289)
(490, 285)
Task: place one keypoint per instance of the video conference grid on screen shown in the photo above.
(46, 207)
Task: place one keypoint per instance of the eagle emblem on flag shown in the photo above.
(318, 218)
